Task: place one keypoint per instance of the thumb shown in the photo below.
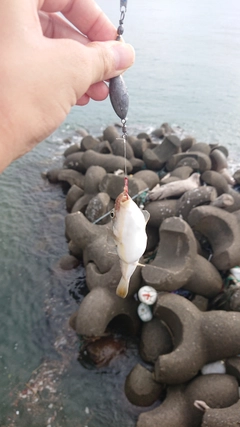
(99, 61)
(108, 59)
(85, 65)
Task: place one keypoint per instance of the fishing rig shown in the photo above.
(119, 95)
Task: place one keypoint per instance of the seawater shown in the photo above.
(187, 73)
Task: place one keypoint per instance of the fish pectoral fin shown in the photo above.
(146, 215)
(141, 265)
(122, 288)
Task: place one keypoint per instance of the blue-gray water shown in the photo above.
(187, 73)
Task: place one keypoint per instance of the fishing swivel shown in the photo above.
(123, 9)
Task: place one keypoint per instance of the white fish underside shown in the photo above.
(130, 237)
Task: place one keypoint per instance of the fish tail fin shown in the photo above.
(122, 288)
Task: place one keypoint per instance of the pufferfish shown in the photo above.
(129, 233)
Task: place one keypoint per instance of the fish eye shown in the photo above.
(112, 214)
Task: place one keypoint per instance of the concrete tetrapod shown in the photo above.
(170, 145)
(103, 266)
(101, 306)
(187, 143)
(110, 133)
(113, 185)
(204, 162)
(89, 143)
(226, 417)
(73, 148)
(108, 161)
(82, 231)
(205, 279)
(160, 210)
(236, 176)
(223, 201)
(155, 340)
(103, 273)
(118, 148)
(149, 177)
(236, 200)
(200, 147)
(71, 177)
(74, 161)
(140, 387)
(192, 198)
(93, 177)
(216, 180)
(219, 164)
(137, 164)
(182, 172)
(156, 158)
(104, 147)
(99, 253)
(190, 162)
(222, 231)
(99, 206)
(163, 130)
(177, 263)
(233, 367)
(198, 338)
(74, 193)
(138, 146)
(178, 409)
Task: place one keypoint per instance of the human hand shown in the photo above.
(47, 66)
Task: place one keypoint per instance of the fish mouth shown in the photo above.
(122, 198)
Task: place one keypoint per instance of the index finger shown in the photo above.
(85, 15)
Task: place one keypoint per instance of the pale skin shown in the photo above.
(46, 67)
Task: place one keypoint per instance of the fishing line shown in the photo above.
(119, 96)
(124, 136)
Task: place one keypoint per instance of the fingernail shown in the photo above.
(124, 55)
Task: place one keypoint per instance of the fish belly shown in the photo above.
(132, 236)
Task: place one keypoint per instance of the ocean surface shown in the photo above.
(186, 73)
